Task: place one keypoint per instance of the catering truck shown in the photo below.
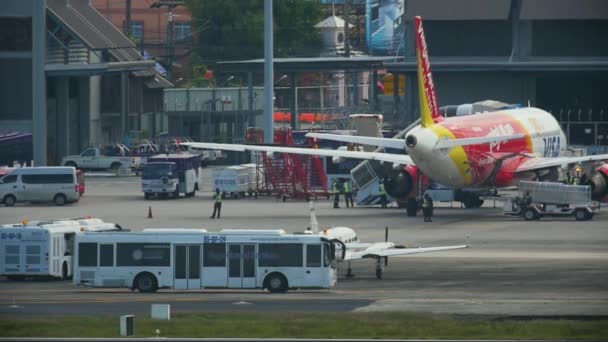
(167, 175)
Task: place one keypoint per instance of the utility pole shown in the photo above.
(268, 118)
(128, 18)
(170, 4)
(346, 28)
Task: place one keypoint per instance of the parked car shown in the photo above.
(40, 184)
(92, 159)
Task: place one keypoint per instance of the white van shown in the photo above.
(39, 184)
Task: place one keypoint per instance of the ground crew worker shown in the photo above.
(217, 203)
(569, 178)
(527, 199)
(336, 193)
(427, 207)
(348, 193)
(382, 194)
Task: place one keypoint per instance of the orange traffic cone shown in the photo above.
(150, 212)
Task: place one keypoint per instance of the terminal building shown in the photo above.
(550, 54)
(73, 79)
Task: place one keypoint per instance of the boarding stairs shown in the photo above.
(367, 175)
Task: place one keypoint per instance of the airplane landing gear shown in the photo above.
(379, 267)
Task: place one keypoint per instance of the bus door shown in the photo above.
(241, 266)
(187, 267)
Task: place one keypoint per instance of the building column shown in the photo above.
(411, 95)
(62, 86)
(84, 105)
(124, 104)
(39, 117)
(355, 80)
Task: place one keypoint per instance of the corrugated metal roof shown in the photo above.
(458, 9)
(563, 9)
(98, 33)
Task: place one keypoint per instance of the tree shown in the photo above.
(234, 29)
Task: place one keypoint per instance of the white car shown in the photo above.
(39, 184)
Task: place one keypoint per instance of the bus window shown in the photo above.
(143, 254)
(214, 255)
(106, 255)
(87, 254)
(280, 255)
(313, 255)
(69, 244)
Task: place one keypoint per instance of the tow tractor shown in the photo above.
(538, 199)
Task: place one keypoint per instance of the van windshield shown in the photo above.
(157, 171)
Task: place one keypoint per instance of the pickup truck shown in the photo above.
(92, 159)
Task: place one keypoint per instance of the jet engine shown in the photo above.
(401, 183)
(599, 183)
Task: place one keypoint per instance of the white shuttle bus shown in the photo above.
(43, 248)
(235, 259)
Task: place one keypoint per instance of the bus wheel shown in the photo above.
(276, 283)
(59, 199)
(64, 271)
(145, 282)
(9, 200)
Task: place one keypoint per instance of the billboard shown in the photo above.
(384, 27)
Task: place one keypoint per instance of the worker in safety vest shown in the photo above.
(336, 192)
(217, 203)
(569, 178)
(382, 194)
(427, 208)
(348, 193)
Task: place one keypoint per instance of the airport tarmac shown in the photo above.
(514, 268)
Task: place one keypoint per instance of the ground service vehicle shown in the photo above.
(171, 174)
(40, 184)
(235, 181)
(539, 199)
(92, 159)
(235, 259)
(43, 248)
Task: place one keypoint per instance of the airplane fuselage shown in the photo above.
(474, 165)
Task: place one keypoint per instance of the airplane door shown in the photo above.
(187, 267)
(241, 266)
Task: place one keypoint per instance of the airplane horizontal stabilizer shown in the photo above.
(374, 141)
(398, 252)
(449, 143)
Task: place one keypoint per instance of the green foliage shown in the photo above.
(234, 29)
(309, 325)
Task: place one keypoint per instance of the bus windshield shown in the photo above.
(159, 170)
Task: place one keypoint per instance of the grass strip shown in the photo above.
(309, 325)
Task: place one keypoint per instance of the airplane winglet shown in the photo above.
(429, 106)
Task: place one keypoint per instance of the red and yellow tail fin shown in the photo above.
(429, 106)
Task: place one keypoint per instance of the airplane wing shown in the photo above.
(374, 141)
(397, 252)
(542, 162)
(400, 143)
(385, 157)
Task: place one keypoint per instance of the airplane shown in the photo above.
(490, 149)
(354, 249)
